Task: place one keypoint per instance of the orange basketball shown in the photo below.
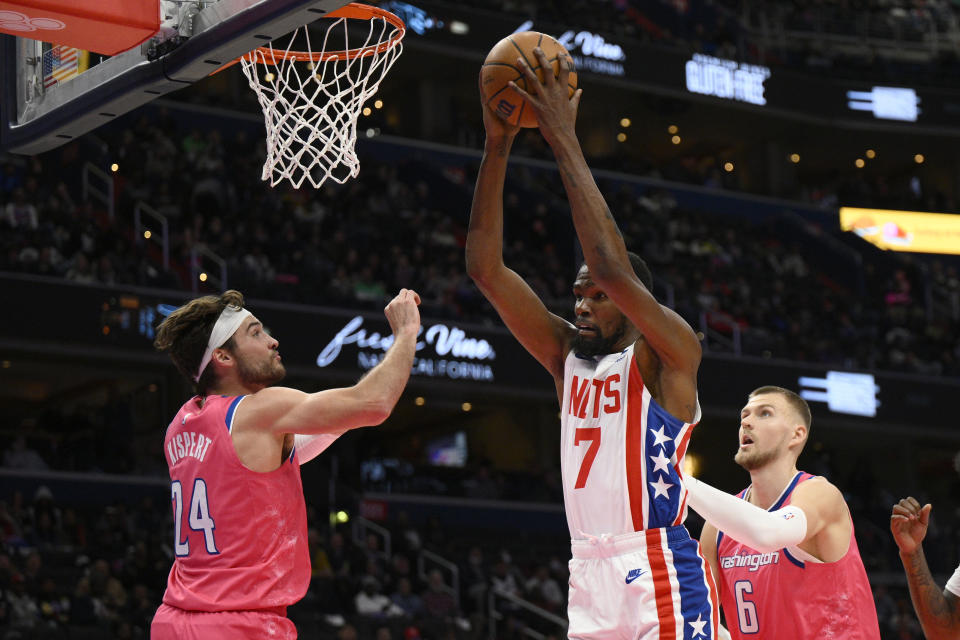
(501, 66)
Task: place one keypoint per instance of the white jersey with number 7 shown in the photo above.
(620, 451)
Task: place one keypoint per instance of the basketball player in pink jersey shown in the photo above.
(625, 375)
(784, 549)
(938, 611)
(234, 452)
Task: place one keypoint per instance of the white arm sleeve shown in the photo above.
(312, 446)
(953, 584)
(764, 531)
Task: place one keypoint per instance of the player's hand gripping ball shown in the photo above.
(501, 67)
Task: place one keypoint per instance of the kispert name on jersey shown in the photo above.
(187, 443)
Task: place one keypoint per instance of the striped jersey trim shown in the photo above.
(635, 449)
(231, 411)
(662, 588)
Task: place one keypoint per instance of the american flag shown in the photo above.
(59, 63)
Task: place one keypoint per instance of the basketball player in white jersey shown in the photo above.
(938, 611)
(625, 374)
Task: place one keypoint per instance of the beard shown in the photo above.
(263, 373)
(754, 460)
(599, 344)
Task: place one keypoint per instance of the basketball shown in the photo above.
(500, 67)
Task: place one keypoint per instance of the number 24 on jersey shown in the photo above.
(199, 517)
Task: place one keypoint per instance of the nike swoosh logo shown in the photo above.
(633, 575)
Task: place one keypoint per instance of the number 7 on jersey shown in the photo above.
(591, 435)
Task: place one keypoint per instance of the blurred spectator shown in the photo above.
(80, 269)
(483, 484)
(371, 603)
(10, 531)
(473, 577)
(54, 607)
(543, 590)
(406, 600)
(85, 610)
(439, 606)
(504, 576)
(20, 213)
(24, 611)
(405, 538)
(20, 456)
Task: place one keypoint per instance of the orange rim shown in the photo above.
(353, 10)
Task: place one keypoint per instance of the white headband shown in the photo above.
(228, 322)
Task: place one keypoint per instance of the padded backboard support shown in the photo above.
(222, 32)
(108, 27)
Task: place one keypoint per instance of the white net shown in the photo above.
(312, 100)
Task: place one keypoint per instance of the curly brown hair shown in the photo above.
(185, 332)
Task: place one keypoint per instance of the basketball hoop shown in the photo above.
(311, 112)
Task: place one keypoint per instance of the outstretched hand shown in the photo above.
(402, 312)
(556, 109)
(908, 522)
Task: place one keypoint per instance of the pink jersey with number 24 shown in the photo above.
(240, 535)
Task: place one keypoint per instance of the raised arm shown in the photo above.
(603, 248)
(938, 611)
(369, 402)
(762, 530)
(708, 547)
(817, 518)
(545, 335)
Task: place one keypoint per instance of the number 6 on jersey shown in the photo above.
(746, 609)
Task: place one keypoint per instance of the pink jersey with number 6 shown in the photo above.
(784, 595)
(240, 535)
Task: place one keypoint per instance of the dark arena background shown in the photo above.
(761, 158)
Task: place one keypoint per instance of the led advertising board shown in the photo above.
(726, 79)
(655, 67)
(116, 325)
(844, 392)
(904, 230)
(887, 103)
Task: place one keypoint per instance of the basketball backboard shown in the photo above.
(196, 39)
